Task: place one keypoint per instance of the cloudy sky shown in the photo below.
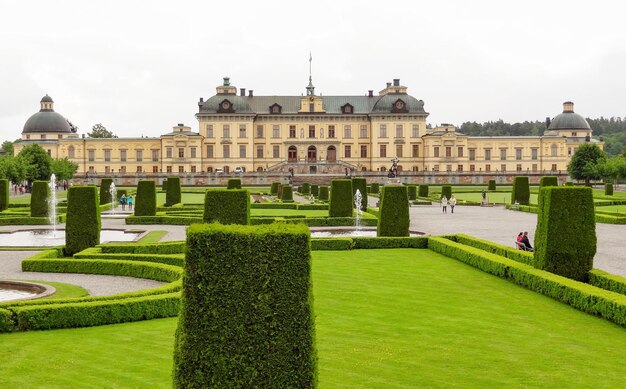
(140, 67)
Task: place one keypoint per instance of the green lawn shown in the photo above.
(25, 198)
(384, 319)
(612, 208)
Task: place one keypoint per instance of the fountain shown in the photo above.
(358, 198)
(52, 204)
(113, 192)
(20, 290)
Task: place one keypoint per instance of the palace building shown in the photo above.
(308, 134)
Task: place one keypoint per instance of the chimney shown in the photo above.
(370, 93)
(250, 93)
(202, 99)
(396, 82)
(568, 106)
(226, 81)
(242, 92)
(388, 84)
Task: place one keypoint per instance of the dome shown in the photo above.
(568, 120)
(47, 99)
(46, 120)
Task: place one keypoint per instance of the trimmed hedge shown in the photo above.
(105, 187)
(315, 190)
(504, 251)
(164, 219)
(279, 192)
(565, 238)
(355, 243)
(274, 188)
(446, 190)
(227, 206)
(492, 185)
(164, 185)
(394, 212)
(146, 198)
(549, 181)
(375, 188)
(412, 192)
(323, 195)
(422, 191)
(361, 185)
(4, 202)
(173, 194)
(174, 247)
(520, 191)
(305, 188)
(166, 259)
(39, 199)
(286, 193)
(246, 317)
(608, 189)
(82, 227)
(331, 221)
(274, 205)
(234, 183)
(340, 198)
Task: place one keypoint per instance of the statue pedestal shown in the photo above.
(393, 181)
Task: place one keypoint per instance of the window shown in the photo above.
(259, 151)
(448, 168)
(107, 155)
(107, 169)
(276, 131)
(503, 154)
(569, 151)
(554, 167)
(363, 151)
(347, 151)
(168, 152)
(155, 155)
(435, 168)
(533, 154)
(311, 107)
(518, 154)
(139, 169)
(242, 151)
(472, 154)
(275, 108)
(91, 155)
(347, 108)
(276, 151)
(181, 169)
(226, 131)
(383, 131)
(347, 131)
(123, 169)
(459, 168)
(43, 136)
(311, 131)
(169, 169)
(487, 168)
(459, 151)
(487, 154)
(209, 131)
(554, 150)
(193, 152)
(292, 131)
(399, 151)
(472, 168)
(503, 167)
(209, 151)
(448, 151)
(383, 151)
(331, 131)
(259, 131)
(70, 152)
(363, 131)
(399, 131)
(574, 134)
(155, 169)
(436, 151)
(226, 151)
(193, 169)
(534, 167)
(519, 167)
(181, 152)
(415, 151)
(139, 155)
(242, 130)
(415, 131)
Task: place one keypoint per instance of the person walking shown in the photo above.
(130, 203)
(123, 202)
(444, 204)
(452, 203)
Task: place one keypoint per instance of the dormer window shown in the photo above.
(347, 108)
(225, 107)
(276, 109)
(399, 106)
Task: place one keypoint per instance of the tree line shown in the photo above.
(33, 163)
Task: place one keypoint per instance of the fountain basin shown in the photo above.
(343, 232)
(20, 290)
(48, 238)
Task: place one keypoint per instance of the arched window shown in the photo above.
(331, 153)
(312, 154)
(259, 169)
(292, 154)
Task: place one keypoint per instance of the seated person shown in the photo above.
(527, 242)
(520, 246)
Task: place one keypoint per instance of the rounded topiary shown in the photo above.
(105, 190)
(164, 185)
(4, 194)
(446, 190)
(323, 193)
(145, 202)
(305, 188)
(361, 185)
(286, 194)
(173, 194)
(492, 185)
(375, 188)
(234, 183)
(82, 226)
(39, 199)
(565, 238)
(411, 192)
(394, 211)
(274, 188)
(608, 189)
(340, 198)
(422, 191)
(549, 181)
(315, 190)
(520, 191)
(227, 206)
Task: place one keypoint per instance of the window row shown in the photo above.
(488, 168)
(313, 131)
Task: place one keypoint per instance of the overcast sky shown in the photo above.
(140, 67)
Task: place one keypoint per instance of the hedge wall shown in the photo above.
(361, 185)
(227, 206)
(274, 188)
(105, 187)
(565, 238)
(340, 198)
(315, 190)
(323, 195)
(173, 194)
(394, 212)
(549, 181)
(246, 318)
(164, 185)
(422, 191)
(82, 227)
(520, 191)
(412, 192)
(608, 189)
(234, 183)
(492, 185)
(305, 188)
(279, 192)
(286, 193)
(4, 195)
(375, 188)
(446, 190)
(146, 198)
(355, 243)
(39, 199)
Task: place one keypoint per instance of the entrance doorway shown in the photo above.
(312, 154)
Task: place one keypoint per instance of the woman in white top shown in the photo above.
(444, 204)
(452, 203)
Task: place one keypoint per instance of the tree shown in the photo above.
(64, 169)
(7, 147)
(12, 168)
(100, 131)
(37, 163)
(585, 161)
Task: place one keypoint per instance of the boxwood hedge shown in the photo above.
(39, 199)
(82, 227)
(412, 192)
(375, 188)
(305, 188)
(315, 190)
(549, 181)
(105, 190)
(360, 184)
(246, 318)
(274, 188)
(234, 183)
(492, 185)
(173, 194)
(422, 191)
(520, 191)
(164, 185)
(146, 198)
(323, 196)
(608, 189)
(279, 192)
(446, 190)
(4, 194)
(286, 193)
(394, 211)
(227, 206)
(340, 198)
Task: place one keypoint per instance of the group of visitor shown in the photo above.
(523, 243)
(126, 200)
(445, 202)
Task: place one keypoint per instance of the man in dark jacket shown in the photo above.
(527, 242)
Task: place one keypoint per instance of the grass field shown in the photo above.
(612, 208)
(384, 319)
